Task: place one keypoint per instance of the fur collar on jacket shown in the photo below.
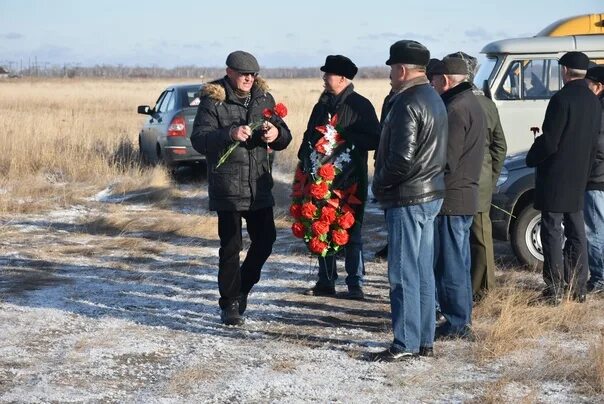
(216, 91)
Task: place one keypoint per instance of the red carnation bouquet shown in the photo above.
(323, 214)
(279, 110)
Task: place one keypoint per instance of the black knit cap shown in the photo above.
(450, 65)
(408, 52)
(596, 74)
(575, 60)
(340, 65)
(243, 62)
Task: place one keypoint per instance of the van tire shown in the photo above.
(525, 238)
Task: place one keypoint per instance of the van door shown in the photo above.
(522, 95)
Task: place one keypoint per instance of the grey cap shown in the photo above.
(243, 62)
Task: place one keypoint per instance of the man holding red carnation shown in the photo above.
(241, 186)
(340, 189)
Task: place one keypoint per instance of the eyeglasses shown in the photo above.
(248, 74)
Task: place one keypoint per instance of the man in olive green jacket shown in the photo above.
(481, 234)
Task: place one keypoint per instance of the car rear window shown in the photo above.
(193, 96)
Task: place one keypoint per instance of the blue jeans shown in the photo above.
(354, 264)
(452, 271)
(594, 231)
(410, 273)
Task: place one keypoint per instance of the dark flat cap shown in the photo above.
(432, 63)
(596, 74)
(450, 65)
(340, 65)
(243, 62)
(408, 52)
(575, 60)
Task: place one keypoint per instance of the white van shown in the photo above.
(522, 74)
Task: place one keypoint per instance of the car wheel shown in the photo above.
(526, 237)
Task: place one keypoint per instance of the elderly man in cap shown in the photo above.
(409, 185)
(561, 157)
(593, 211)
(359, 126)
(241, 186)
(495, 148)
(465, 152)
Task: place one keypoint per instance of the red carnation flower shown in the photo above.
(346, 220)
(327, 172)
(317, 246)
(295, 211)
(319, 191)
(319, 228)
(280, 110)
(328, 214)
(267, 113)
(298, 229)
(309, 210)
(340, 237)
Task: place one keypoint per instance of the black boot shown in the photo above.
(230, 314)
(242, 303)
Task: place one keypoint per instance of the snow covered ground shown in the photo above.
(122, 315)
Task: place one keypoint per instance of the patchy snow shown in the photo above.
(142, 324)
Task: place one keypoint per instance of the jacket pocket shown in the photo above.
(224, 182)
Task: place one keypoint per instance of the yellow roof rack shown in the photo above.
(588, 24)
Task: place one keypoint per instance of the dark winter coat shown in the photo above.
(244, 181)
(495, 149)
(465, 150)
(410, 162)
(562, 153)
(596, 176)
(358, 125)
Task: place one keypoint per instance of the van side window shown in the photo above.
(510, 86)
(540, 79)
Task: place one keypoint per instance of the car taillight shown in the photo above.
(177, 127)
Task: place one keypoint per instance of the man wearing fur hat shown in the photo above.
(359, 126)
(594, 197)
(241, 186)
(465, 152)
(561, 157)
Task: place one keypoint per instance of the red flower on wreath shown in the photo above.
(340, 237)
(295, 211)
(346, 220)
(327, 172)
(317, 246)
(328, 214)
(319, 228)
(298, 229)
(319, 191)
(308, 210)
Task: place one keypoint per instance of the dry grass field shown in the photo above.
(108, 283)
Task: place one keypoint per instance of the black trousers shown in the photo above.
(234, 279)
(564, 266)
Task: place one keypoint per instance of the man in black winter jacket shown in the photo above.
(241, 186)
(465, 152)
(561, 156)
(594, 196)
(409, 185)
(359, 126)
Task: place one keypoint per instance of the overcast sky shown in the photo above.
(280, 33)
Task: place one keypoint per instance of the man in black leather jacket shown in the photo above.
(409, 184)
(241, 187)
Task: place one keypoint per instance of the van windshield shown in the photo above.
(486, 66)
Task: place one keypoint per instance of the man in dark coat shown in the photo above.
(594, 196)
(561, 156)
(359, 126)
(241, 186)
(409, 185)
(465, 152)
(481, 233)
